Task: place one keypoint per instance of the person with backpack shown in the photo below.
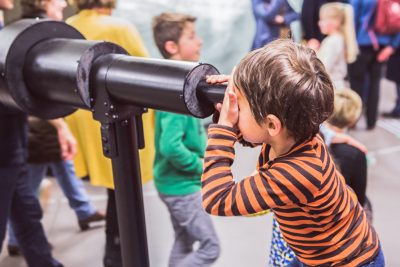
(375, 48)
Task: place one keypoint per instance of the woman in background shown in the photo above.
(95, 22)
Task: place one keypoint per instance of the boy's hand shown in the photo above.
(229, 110)
(215, 79)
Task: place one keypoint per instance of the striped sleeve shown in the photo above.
(286, 182)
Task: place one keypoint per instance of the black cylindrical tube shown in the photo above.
(51, 70)
(129, 195)
(213, 93)
(149, 83)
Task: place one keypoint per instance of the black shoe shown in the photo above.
(97, 216)
(13, 251)
(392, 114)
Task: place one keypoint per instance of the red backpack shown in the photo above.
(387, 17)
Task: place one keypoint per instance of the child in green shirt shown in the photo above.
(180, 142)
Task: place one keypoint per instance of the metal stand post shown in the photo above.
(123, 138)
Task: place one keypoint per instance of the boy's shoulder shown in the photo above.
(312, 151)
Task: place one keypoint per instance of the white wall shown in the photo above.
(226, 27)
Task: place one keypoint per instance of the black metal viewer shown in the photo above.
(48, 70)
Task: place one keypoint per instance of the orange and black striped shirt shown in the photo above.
(318, 214)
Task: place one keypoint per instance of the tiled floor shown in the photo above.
(244, 241)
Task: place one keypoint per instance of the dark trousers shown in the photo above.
(18, 201)
(112, 256)
(365, 76)
(396, 109)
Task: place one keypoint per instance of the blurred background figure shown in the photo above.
(271, 17)
(366, 72)
(180, 142)
(347, 110)
(309, 20)
(339, 47)
(44, 150)
(94, 21)
(17, 201)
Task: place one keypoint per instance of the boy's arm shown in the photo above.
(284, 183)
(172, 147)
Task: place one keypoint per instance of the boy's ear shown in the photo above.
(274, 125)
(171, 47)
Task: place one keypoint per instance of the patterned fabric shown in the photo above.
(280, 254)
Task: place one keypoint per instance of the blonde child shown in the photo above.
(339, 48)
(348, 108)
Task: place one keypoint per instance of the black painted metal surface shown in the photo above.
(16, 41)
(45, 72)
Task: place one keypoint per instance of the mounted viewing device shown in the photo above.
(48, 70)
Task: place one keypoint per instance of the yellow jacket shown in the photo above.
(90, 160)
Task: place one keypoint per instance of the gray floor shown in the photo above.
(244, 241)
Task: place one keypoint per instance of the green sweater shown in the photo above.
(180, 143)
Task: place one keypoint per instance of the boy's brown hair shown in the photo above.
(169, 27)
(289, 81)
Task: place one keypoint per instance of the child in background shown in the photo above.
(339, 48)
(277, 97)
(348, 108)
(180, 142)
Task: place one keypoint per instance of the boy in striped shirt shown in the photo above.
(277, 97)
